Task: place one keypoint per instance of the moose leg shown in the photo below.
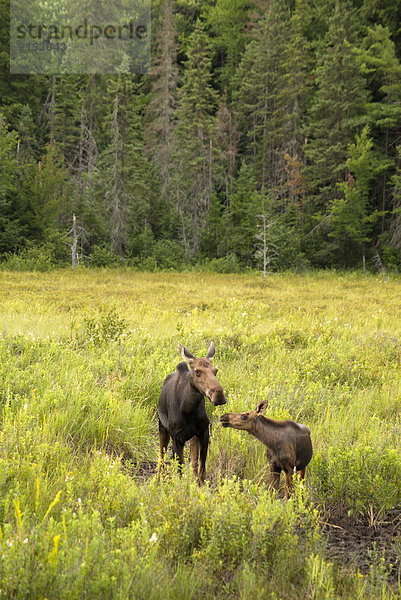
(288, 483)
(195, 450)
(178, 451)
(203, 448)
(302, 473)
(164, 438)
(274, 477)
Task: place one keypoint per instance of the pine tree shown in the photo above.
(338, 110)
(259, 81)
(163, 97)
(352, 216)
(120, 183)
(193, 152)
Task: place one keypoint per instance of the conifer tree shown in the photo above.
(241, 216)
(295, 89)
(383, 70)
(395, 225)
(226, 151)
(338, 110)
(259, 81)
(10, 230)
(193, 141)
(163, 97)
(120, 183)
(228, 21)
(352, 216)
(336, 116)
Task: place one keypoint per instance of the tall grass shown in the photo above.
(82, 358)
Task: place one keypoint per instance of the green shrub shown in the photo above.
(104, 328)
(34, 258)
(225, 264)
(358, 476)
(102, 256)
(167, 254)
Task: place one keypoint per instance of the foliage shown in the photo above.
(33, 258)
(82, 512)
(245, 100)
(82, 357)
(107, 327)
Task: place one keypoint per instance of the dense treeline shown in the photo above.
(268, 134)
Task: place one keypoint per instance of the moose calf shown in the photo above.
(288, 443)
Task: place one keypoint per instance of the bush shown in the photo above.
(225, 264)
(34, 258)
(105, 328)
(167, 254)
(101, 256)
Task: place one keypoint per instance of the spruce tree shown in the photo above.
(10, 230)
(226, 152)
(120, 182)
(337, 115)
(240, 218)
(383, 70)
(193, 142)
(258, 105)
(395, 226)
(352, 215)
(228, 21)
(163, 96)
(338, 110)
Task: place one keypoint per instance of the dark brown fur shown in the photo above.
(289, 446)
(182, 413)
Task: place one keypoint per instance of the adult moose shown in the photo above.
(182, 413)
(289, 446)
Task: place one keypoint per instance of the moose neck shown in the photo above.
(194, 390)
(262, 431)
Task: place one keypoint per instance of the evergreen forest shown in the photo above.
(266, 135)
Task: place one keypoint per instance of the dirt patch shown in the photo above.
(140, 471)
(355, 544)
(146, 469)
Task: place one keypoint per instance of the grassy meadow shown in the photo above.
(83, 355)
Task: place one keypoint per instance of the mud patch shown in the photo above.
(357, 545)
(140, 471)
(146, 469)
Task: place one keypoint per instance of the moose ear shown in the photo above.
(260, 409)
(186, 355)
(211, 350)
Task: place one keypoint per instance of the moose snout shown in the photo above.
(217, 396)
(225, 420)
